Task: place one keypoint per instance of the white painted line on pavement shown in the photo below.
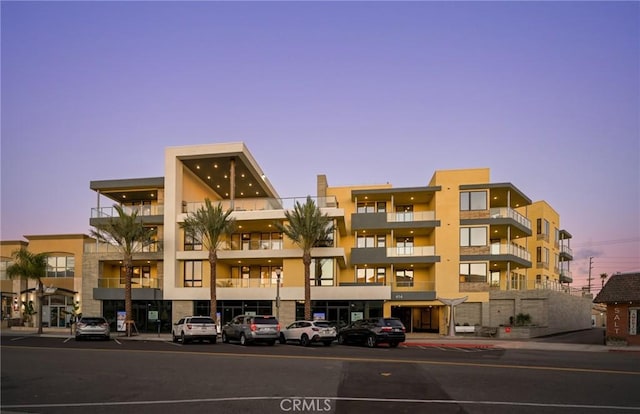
(357, 399)
(117, 342)
(18, 338)
(66, 340)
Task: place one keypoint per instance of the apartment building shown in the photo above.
(393, 251)
(62, 281)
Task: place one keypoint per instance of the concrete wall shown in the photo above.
(551, 312)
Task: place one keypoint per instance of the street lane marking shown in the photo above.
(351, 359)
(355, 399)
(18, 338)
(66, 340)
(116, 341)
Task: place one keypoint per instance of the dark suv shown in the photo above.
(252, 328)
(373, 331)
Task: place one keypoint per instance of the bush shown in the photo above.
(523, 319)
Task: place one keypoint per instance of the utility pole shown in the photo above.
(590, 267)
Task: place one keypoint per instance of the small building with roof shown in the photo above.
(621, 294)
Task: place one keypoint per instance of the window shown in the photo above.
(193, 273)
(473, 272)
(366, 207)
(365, 241)
(381, 207)
(192, 242)
(542, 229)
(473, 200)
(404, 277)
(3, 269)
(322, 272)
(404, 213)
(495, 279)
(473, 236)
(61, 266)
(382, 241)
(404, 246)
(140, 276)
(542, 255)
(371, 275)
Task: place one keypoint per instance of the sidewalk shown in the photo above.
(413, 340)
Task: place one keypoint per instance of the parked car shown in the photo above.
(191, 328)
(92, 327)
(252, 328)
(307, 332)
(373, 331)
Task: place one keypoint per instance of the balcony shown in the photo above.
(497, 252)
(566, 276)
(413, 290)
(148, 213)
(566, 253)
(259, 204)
(136, 283)
(394, 255)
(155, 247)
(399, 220)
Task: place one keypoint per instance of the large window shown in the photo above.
(366, 207)
(473, 200)
(192, 242)
(473, 272)
(61, 266)
(542, 255)
(404, 246)
(193, 273)
(3, 269)
(473, 236)
(404, 277)
(141, 275)
(322, 272)
(371, 275)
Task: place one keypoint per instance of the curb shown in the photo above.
(450, 345)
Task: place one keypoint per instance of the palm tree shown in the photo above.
(130, 236)
(603, 277)
(209, 224)
(306, 227)
(33, 266)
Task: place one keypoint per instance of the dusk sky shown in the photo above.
(545, 94)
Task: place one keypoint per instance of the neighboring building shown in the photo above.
(621, 294)
(393, 252)
(63, 281)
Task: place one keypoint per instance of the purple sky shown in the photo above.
(546, 94)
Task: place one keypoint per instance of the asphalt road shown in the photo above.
(55, 375)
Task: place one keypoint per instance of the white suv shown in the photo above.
(192, 328)
(306, 332)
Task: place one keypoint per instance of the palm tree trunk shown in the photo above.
(128, 307)
(306, 260)
(213, 259)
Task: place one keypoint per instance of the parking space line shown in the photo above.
(18, 338)
(66, 340)
(117, 342)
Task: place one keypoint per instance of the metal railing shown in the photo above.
(408, 216)
(506, 212)
(512, 249)
(136, 283)
(142, 210)
(252, 245)
(155, 247)
(264, 282)
(413, 251)
(566, 249)
(255, 204)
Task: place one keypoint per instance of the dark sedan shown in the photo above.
(373, 331)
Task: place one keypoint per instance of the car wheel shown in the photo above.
(327, 343)
(243, 339)
(342, 340)
(282, 339)
(393, 344)
(371, 341)
(184, 340)
(304, 340)
(225, 339)
(174, 338)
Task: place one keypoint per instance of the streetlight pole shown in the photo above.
(278, 272)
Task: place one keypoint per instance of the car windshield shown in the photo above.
(201, 320)
(265, 320)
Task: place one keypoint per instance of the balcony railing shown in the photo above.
(416, 251)
(255, 204)
(506, 212)
(408, 216)
(264, 282)
(512, 249)
(252, 245)
(136, 283)
(566, 249)
(422, 286)
(155, 247)
(142, 210)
